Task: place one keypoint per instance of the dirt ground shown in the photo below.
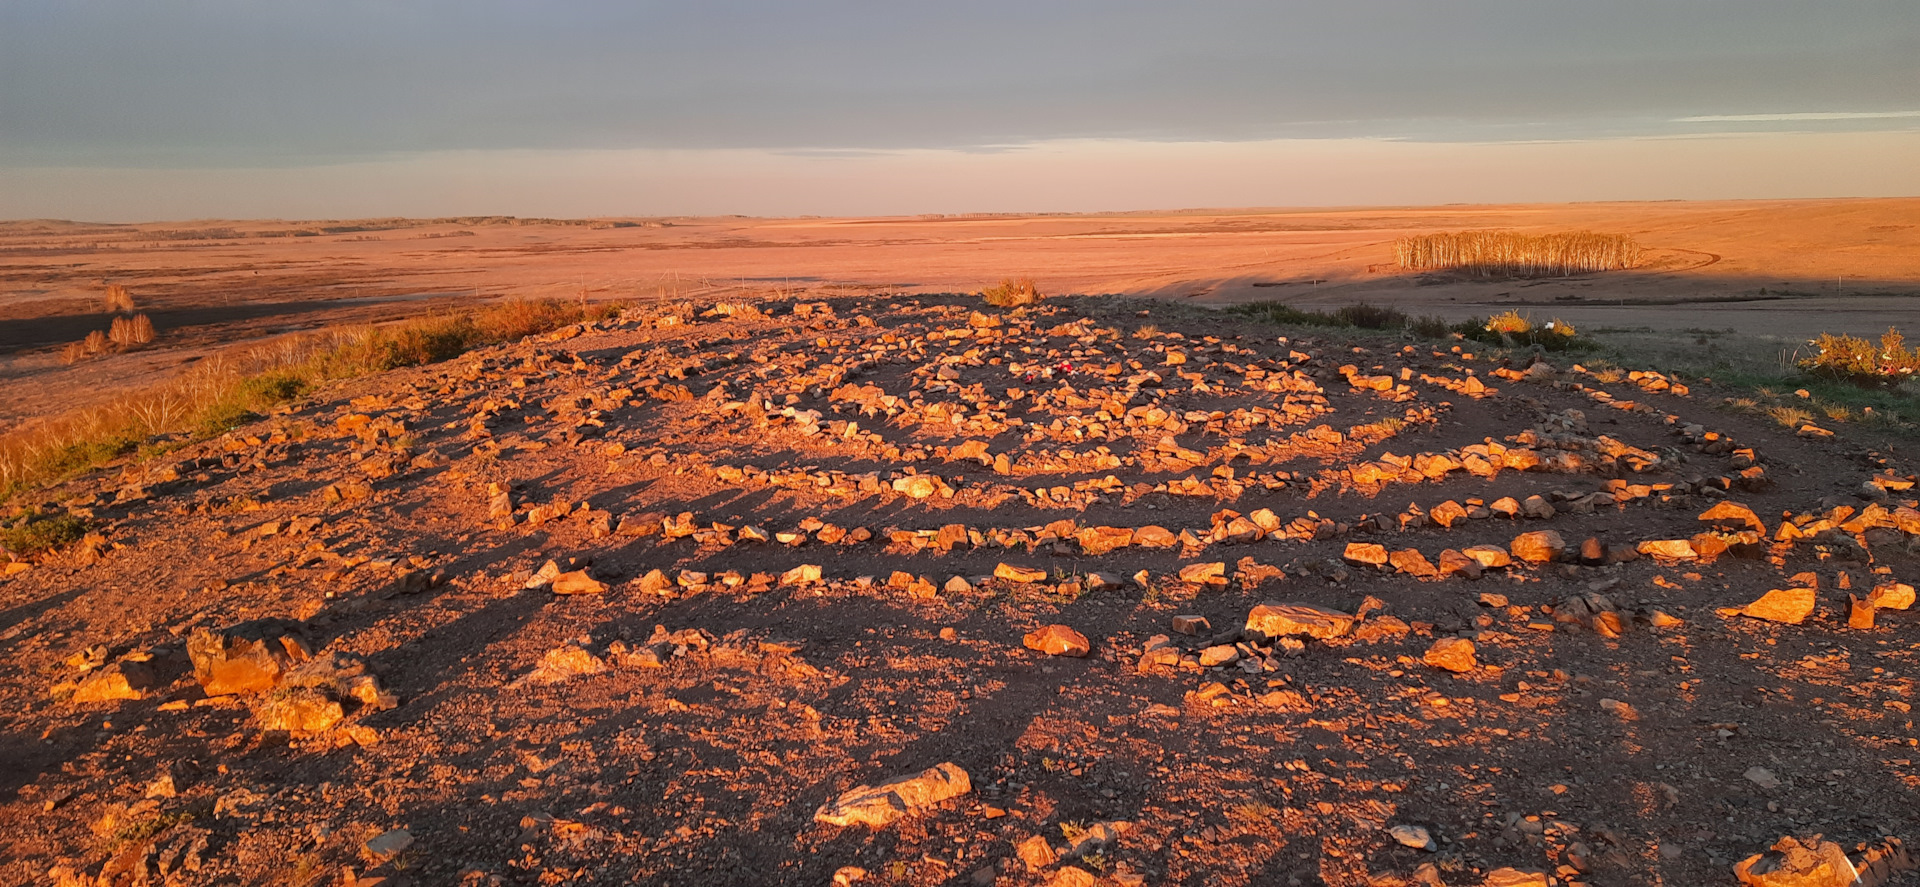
(803, 543)
(1848, 266)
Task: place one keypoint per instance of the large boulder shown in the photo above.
(1792, 862)
(248, 658)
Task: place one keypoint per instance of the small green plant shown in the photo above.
(1011, 293)
(35, 533)
(1372, 317)
(1866, 364)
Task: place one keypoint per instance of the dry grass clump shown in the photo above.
(1886, 364)
(1510, 254)
(119, 300)
(228, 389)
(128, 332)
(1012, 293)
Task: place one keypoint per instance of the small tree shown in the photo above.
(118, 300)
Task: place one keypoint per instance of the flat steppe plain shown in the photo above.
(1825, 265)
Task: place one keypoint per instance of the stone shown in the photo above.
(388, 844)
(1097, 541)
(1804, 862)
(302, 710)
(1381, 628)
(1096, 838)
(1447, 513)
(1619, 709)
(1791, 606)
(1366, 554)
(1451, 654)
(1155, 537)
(1762, 777)
(1412, 836)
(1036, 853)
(1593, 552)
(1453, 562)
(564, 662)
(122, 680)
(1538, 547)
(1733, 514)
(1668, 549)
(1072, 876)
(1192, 625)
(1891, 596)
(544, 576)
(878, 805)
(918, 486)
(1219, 654)
(1860, 614)
(805, 574)
(1272, 620)
(1012, 573)
(1490, 557)
(1513, 877)
(577, 582)
(1412, 563)
(244, 659)
(1058, 640)
(1210, 573)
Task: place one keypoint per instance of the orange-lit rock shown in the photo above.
(297, 711)
(1036, 853)
(880, 804)
(1734, 514)
(1412, 563)
(1451, 654)
(1273, 620)
(577, 582)
(1668, 549)
(1191, 625)
(1208, 573)
(1538, 547)
(1058, 640)
(1891, 596)
(249, 659)
(1366, 554)
(1012, 573)
(1791, 863)
(1454, 562)
(1102, 540)
(1791, 606)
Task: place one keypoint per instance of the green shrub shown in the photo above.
(35, 533)
(1513, 330)
(1372, 317)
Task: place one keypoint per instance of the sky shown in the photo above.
(159, 109)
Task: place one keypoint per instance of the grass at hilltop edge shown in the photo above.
(233, 387)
